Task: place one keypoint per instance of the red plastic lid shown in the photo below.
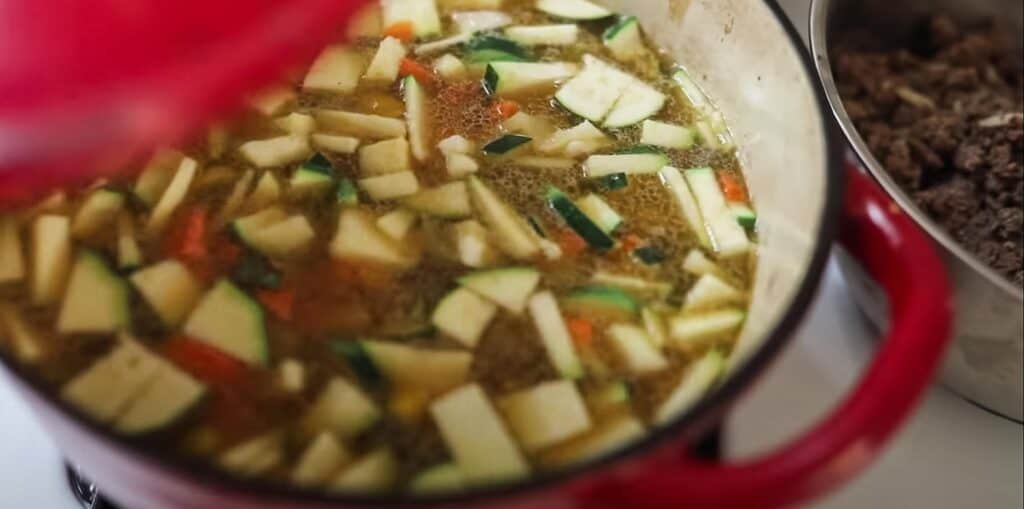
(88, 86)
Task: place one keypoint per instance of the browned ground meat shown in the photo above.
(944, 117)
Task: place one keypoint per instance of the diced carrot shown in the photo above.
(187, 240)
(572, 244)
(582, 331)
(206, 362)
(630, 242)
(403, 31)
(732, 188)
(422, 73)
(280, 302)
(506, 108)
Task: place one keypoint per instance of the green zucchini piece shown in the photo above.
(433, 371)
(695, 384)
(602, 300)
(347, 193)
(417, 117)
(231, 321)
(703, 328)
(593, 234)
(674, 180)
(544, 35)
(710, 292)
(255, 270)
(511, 233)
(321, 459)
(169, 397)
(615, 181)
(342, 409)
(359, 361)
(444, 478)
(510, 288)
(511, 78)
(728, 237)
(506, 144)
(545, 415)
(744, 215)
(630, 163)
(98, 210)
(96, 299)
(170, 289)
(376, 472)
(488, 48)
(635, 348)
(650, 255)
(554, 334)
(464, 316)
(602, 214)
(624, 39)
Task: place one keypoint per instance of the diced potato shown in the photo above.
(387, 60)
(360, 125)
(545, 415)
(391, 186)
(272, 101)
(461, 165)
(385, 157)
(337, 70)
(450, 67)
(336, 144)
(472, 243)
(276, 151)
(298, 124)
(456, 144)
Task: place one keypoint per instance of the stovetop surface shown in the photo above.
(951, 455)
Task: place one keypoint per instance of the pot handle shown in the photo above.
(898, 255)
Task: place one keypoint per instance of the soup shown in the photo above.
(466, 247)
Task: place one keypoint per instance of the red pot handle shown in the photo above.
(901, 258)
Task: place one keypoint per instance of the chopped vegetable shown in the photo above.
(275, 151)
(504, 78)
(421, 13)
(444, 478)
(386, 62)
(634, 285)
(728, 236)
(665, 135)
(602, 214)
(703, 328)
(573, 9)
(402, 30)
(227, 319)
(421, 73)
(657, 332)
(473, 245)
(341, 409)
(433, 371)
(298, 124)
(397, 224)
(635, 349)
(450, 201)
(12, 261)
(700, 378)
(280, 303)
(336, 144)
(650, 255)
(456, 145)
(464, 316)
(291, 375)
(170, 289)
(510, 288)
(624, 39)
(506, 108)
(359, 240)
(601, 301)
(129, 255)
(449, 67)
(506, 144)
(391, 186)
(417, 115)
(96, 300)
(710, 292)
(98, 210)
(615, 181)
(604, 439)
(512, 236)
(576, 219)
(673, 178)
(482, 448)
(544, 35)
(546, 415)
(385, 157)
(582, 331)
(489, 48)
(461, 165)
(107, 388)
(325, 456)
(172, 196)
(554, 334)
(357, 124)
(372, 473)
(629, 164)
(51, 258)
(337, 70)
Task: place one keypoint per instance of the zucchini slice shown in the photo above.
(245, 227)
(231, 321)
(602, 301)
(483, 450)
(337, 69)
(464, 316)
(633, 285)
(593, 92)
(347, 194)
(584, 132)
(635, 348)
(156, 175)
(391, 186)
(510, 288)
(342, 409)
(108, 387)
(359, 125)
(373, 473)
(284, 239)
(573, 9)
(480, 21)
(695, 330)
(624, 39)
(322, 459)
(442, 478)
(170, 289)
(421, 13)
(460, 165)
(516, 78)
(12, 261)
(698, 264)
(728, 237)
(511, 234)
(129, 255)
(592, 233)
(359, 240)
(657, 331)
(692, 91)
(417, 116)
(554, 334)
(544, 35)
(314, 177)
(255, 456)
(266, 193)
(386, 61)
(710, 292)
(630, 164)
(506, 144)
(171, 394)
(674, 180)
(546, 415)
(744, 215)
(488, 48)
(456, 144)
(695, 384)
(96, 300)
(602, 214)
(336, 144)
(384, 157)
(434, 371)
(99, 210)
(660, 134)
(604, 439)
(449, 201)
(298, 124)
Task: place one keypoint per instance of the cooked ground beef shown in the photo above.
(944, 117)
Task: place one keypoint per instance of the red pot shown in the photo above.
(751, 60)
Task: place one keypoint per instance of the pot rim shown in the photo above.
(705, 411)
(820, 45)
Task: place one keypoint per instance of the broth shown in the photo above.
(315, 313)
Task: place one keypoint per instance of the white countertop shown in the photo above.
(952, 455)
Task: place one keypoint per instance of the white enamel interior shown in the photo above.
(742, 57)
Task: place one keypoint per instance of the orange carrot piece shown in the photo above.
(280, 302)
(506, 109)
(422, 73)
(732, 188)
(630, 242)
(572, 244)
(403, 31)
(582, 331)
(206, 362)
